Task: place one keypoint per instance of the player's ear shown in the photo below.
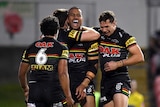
(115, 22)
(67, 20)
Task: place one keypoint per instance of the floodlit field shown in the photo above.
(11, 95)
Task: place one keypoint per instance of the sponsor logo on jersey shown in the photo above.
(65, 53)
(73, 33)
(109, 52)
(130, 41)
(77, 57)
(44, 44)
(94, 47)
(42, 67)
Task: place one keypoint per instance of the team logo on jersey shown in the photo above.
(109, 52)
(44, 44)
(118, 86)
(102, 37)
(115, 41)
(90, 89)
(76, 57)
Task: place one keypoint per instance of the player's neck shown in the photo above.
(49, 36)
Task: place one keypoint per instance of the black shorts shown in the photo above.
(42, 94)
(89, 91)
(111, 87)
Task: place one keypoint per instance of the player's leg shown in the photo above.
(121, 93)
(120, 100)
(90, 101)
(90, 98)
(109, 104)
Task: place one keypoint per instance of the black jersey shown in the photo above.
(114, 48)
(43, 57)
(78, 53)
(78, 59)
(69, 37)
(63, 37)
(78, 62)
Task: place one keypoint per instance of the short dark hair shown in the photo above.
(49, 25)
(105, 15)
(74, 7)
(62, 15)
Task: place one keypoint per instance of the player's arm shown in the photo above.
(87, 34)
(22, 76)
(92, 63)
(136, 56)
(91, 71)
(64, 80)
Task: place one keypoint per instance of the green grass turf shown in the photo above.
(11, 95)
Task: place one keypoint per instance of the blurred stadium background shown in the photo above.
(19, 27)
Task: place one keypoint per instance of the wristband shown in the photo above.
(88, 78)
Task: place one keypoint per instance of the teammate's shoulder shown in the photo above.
(122, 32)
(61, 45)
(96, 28)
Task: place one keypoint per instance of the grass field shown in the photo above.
(11, 95)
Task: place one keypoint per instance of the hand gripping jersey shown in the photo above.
(114, 48)
(43, 57)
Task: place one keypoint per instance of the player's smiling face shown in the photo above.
(107, 27)
(75, 18)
